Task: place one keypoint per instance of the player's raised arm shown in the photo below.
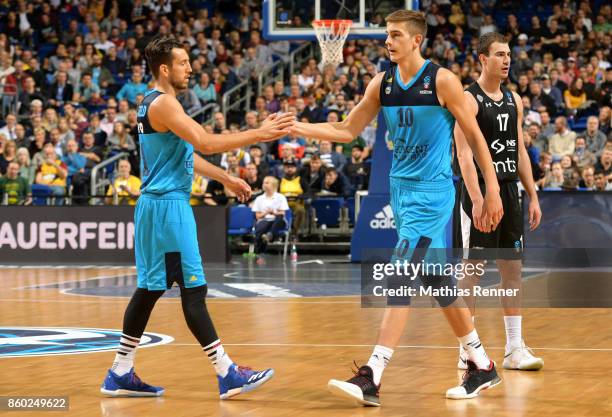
(468, 169)
(274, 127)
(524, 169)
(348, 129)
(450, 91)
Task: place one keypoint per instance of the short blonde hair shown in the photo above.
(417, 25)
(274, 181)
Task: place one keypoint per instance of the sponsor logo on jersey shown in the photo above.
(426, 82)
(509, 95)
(507, 166)
(402, 151)
(388, 89)
(425, 92)
(383, 219)
(479, 97)
(488, 104)
(43, 341)
(497, 146)
(511, 143)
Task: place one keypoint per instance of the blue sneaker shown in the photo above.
(128, 385)
(241, 379)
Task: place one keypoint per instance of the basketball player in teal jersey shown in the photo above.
(499, 113)
(420, 103)
(165, 231)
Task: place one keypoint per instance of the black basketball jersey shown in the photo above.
(497, 121)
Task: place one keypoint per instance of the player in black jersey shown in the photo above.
(499, 113)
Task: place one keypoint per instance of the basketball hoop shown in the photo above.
(331, 35)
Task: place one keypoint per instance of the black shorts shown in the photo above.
(509, 233)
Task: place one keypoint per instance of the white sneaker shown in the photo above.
(463, 358)
(523, 359)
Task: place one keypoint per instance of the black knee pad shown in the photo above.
(194, 295)
(447, 285)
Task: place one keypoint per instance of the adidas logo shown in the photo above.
(383, 219)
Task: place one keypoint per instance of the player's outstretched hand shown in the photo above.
(240, 188)
(535, 214)
(492, 212)
(276, 126)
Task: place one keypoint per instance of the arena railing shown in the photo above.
(208, 111)
(299, 56)
(269, 75)
(99, 176)
(239, 100)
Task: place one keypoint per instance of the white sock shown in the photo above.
(220, 360)
(124, 359)
(475, 350)
(513, 332)
(460, 345)
(381, 355)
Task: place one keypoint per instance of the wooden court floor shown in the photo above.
(307, 341)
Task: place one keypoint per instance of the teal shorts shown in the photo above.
(166, 243)
(421, 212)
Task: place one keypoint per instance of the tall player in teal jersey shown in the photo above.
(165, 236)
(420, 102)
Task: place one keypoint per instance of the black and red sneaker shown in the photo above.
(474, 381)
(360, 387)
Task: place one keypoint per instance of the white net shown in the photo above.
(331, 35)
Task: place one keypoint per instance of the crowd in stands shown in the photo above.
(73, 72)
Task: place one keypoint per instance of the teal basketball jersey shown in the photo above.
(420, 129)
(166, 161)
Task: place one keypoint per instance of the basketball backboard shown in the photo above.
(292, 19)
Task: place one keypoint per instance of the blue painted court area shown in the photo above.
(310, 277)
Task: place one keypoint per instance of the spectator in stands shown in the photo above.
(601, 182)
(132, 88)
(555, 178)
(198, 188)
(75, 162)
(65, 132)
(120, 140)
(36, 146)
(253, 179)
(296, 143)
(95, 127)
(356, 171)
(52, 174)
(329, 157)
(605, 162)
(9, 130)
(582, 156)
(8, 155)
(334, 184)
(605, 120)
(86, 89)
(14, 189)
(575, 97)
(272, 103)
(26, 168)
(595, 139)
(563, 141)
(60, 91)
(540, 100)
(81, 180)
(295, 187)
(205, 90)
(21, 139)
(125, 190)
(30, 92)
(553, 92)
(189, 101)
(55, 140)
(257, 157)
(269, 208)
(547, 129)
(588, 178)
(242, 69)
(219, 122)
